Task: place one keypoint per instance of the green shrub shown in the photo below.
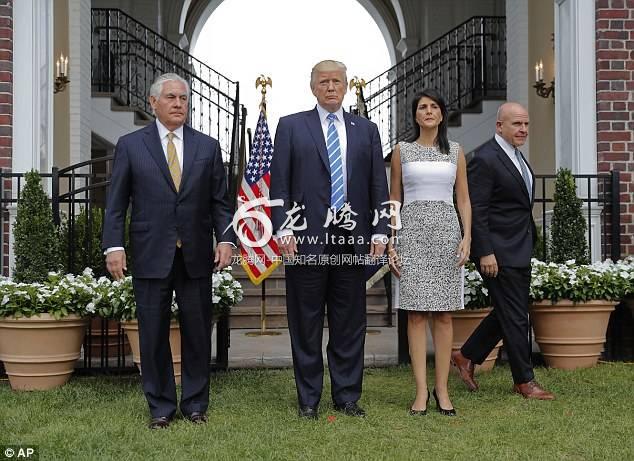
(568, 227)
(540, 250)
(37, 244)
(87, 228)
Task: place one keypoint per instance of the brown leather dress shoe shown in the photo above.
(465, 369)
(532, 390)
(196, 417)
(160, 422)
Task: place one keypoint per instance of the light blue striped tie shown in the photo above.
(336, 164)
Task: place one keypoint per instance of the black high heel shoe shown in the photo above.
(413, 412)
(443, 411)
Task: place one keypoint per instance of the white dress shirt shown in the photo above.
(509, 149)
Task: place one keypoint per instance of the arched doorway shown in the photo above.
(284, 39)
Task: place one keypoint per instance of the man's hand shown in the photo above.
(377, 249)
(116, 264)
(223, 255)
(393, 261)
(287, 245)
(489, 265)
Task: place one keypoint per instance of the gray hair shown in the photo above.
(327, 66)
(157, 86)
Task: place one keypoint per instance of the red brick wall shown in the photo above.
(6, 113)
(615, 103)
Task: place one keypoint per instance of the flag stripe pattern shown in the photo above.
(258, 262)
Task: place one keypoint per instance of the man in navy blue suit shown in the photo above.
(502, 190)
(328, 165)
(173, 179)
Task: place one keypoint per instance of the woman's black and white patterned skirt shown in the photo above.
(427, 245)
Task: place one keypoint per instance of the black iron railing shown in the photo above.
(602, 211)
(126, 58)
(467, 65)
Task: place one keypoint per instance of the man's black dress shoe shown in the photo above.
(351, 409)
(196, 417)
(307, 412)
(160, 422)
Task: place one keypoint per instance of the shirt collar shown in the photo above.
(323, 113)
(162, 131)
(505, 145)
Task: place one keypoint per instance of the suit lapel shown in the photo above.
(350, 144)
(190, 148)
(314, 126)
(510, 166)
(153, 144)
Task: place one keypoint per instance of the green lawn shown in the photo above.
(253, 416)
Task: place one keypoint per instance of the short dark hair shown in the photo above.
(441, 139)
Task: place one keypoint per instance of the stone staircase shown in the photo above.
(475, 125)
(111, 118)
(247, 313)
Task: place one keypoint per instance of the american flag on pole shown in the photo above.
(258, 261)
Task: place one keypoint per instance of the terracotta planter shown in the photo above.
(111, 341)
(132, 331)
(571, 335)
(40, 352)
(464, 323)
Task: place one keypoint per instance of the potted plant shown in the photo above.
(41, 324)
(226, 292)
(568, 226)
(477, 306)
(42, 329)
(571, 307)
(81, 249)
(571, 300)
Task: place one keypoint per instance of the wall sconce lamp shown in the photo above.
(61, 74)
(540, 87)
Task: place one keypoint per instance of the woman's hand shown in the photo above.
(394, 261)
(464, 249)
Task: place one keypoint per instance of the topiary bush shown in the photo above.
(87, 228)
(568, 227)
(36, 238)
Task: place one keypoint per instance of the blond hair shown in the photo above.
(328, 65)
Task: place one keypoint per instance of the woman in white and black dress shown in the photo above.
(429, 251)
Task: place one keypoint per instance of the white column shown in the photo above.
(575, 86)
(33, 76)
(517, 76)
(79, 40)
(32, 86)
(575, 99)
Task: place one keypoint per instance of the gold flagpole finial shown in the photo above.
(263, 81)
(358, 84)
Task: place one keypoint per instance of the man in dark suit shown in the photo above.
(501, 186)
(173, 178)
(326, 162)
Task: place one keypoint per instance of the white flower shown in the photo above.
(90, 308)
(5, 300)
